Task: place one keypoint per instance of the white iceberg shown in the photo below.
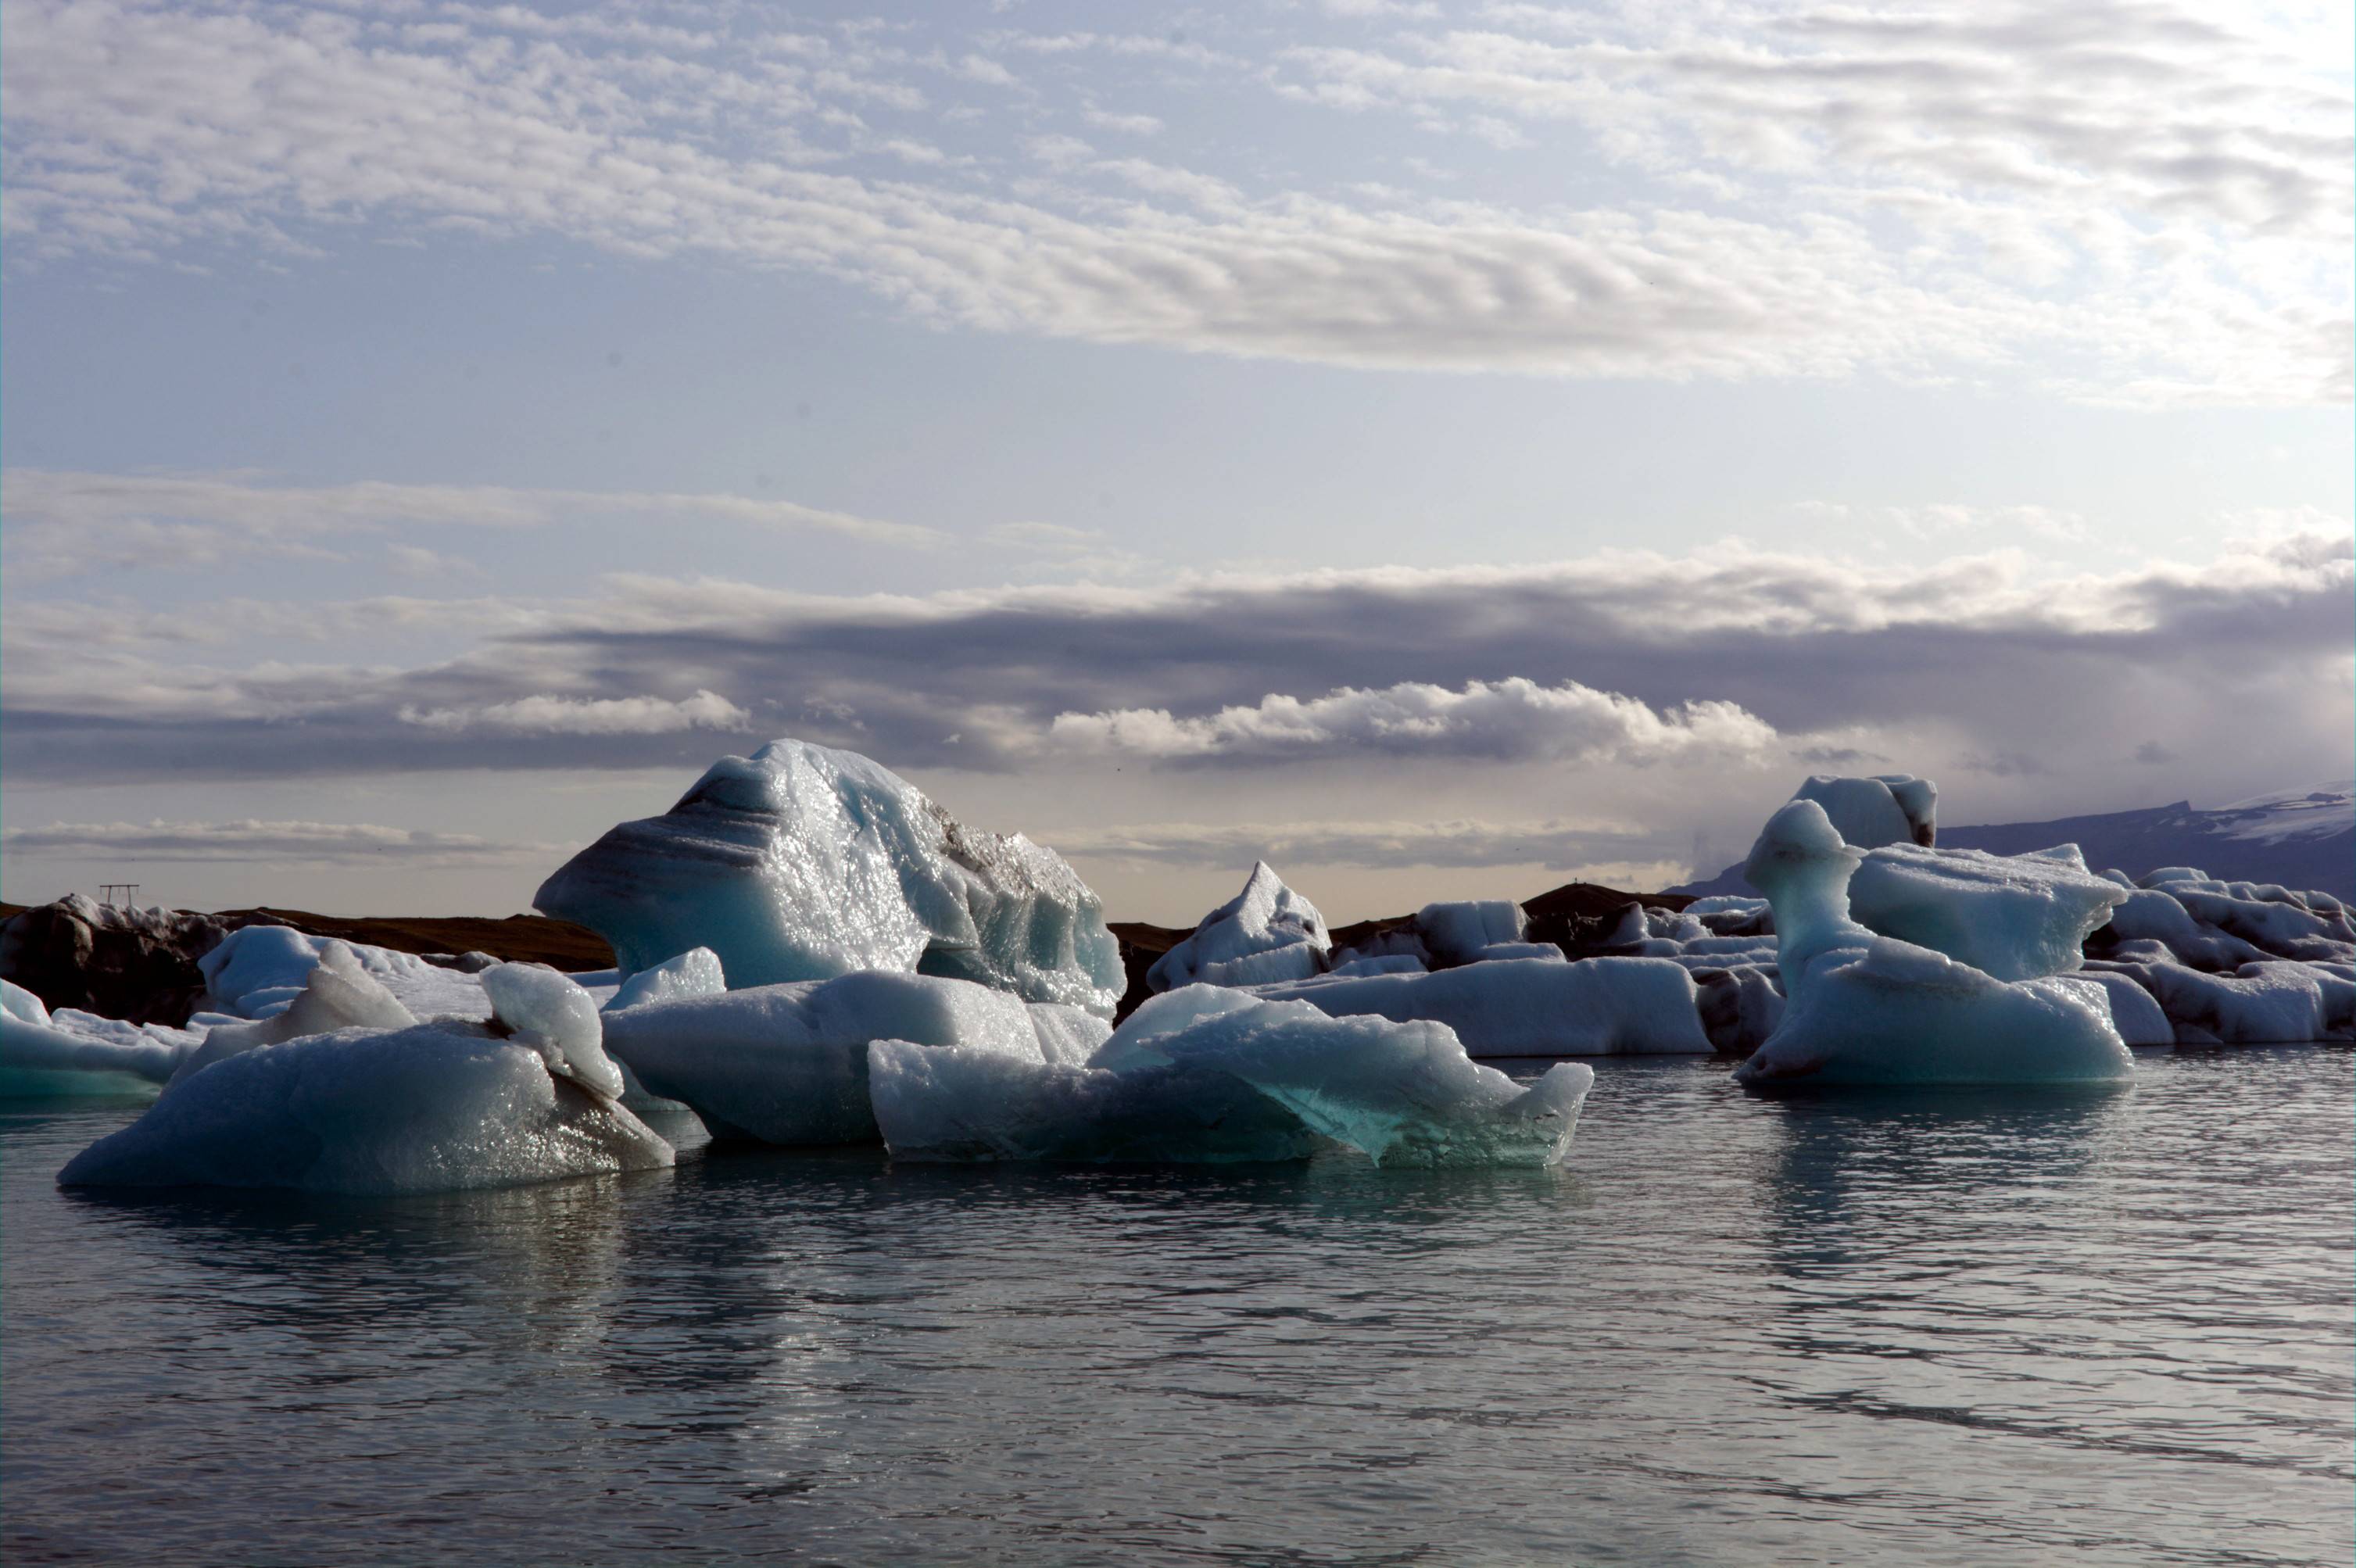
(1266, 932)
(696, 972)
(787, 1064)
(259, 971)
(1863, 1008)
(1458, 932)
(432, 1108)
(800, 863)
(1598, 1006)
(338, 993)
(2014, 916)
(46, 1060)
(1205, 1074)
(1886, 808)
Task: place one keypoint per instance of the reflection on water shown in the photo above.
(2114, 1326)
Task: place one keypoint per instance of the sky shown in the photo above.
(1443, 448)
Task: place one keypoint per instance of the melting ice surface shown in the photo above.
(802, 863)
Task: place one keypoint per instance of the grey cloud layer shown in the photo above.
(2158, 215)
(1815, 655)
(286, 843)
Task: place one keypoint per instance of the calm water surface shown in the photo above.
(2101, 1328)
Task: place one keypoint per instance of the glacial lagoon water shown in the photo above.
(2099, 1328)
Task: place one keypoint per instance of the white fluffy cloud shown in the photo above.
(1514, 718)
(544, 714)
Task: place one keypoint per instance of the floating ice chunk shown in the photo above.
(1900, 1014)
(2264, 1004)
(1224, 1077)
(1457, 933)
(338, 993)
(1598, 1006)
(1890, 808)
(800, 863)
(1266, 932)
(541, 1008)
(428, 1109)
(48, 1059)
(19, 1002)
(1866, 1009)
(259, 971)
(787, 1064)
(2167, 874)
(2135, 1013)
(2015, 916)
(696, 972)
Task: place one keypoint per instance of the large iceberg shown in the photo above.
(1205, 1074)
(1266, 932)
(1598, 1006)
(800, 863)
(1864, 1008)
(2015, 916)
(430, 1107)
(787, 1064)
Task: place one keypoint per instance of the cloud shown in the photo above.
(2155, 212)
(546, 714)
(278, 843)
(2236, 660)
(1514, 718)
(1383, 846)
(64, 522)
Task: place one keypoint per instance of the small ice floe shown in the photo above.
(1210, 1074)
(1267, 932)
(530, 1096)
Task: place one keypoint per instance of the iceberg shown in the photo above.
(259, 971)
(338, 993)
(1863, 1008)
(789, 1064)
(696, 972)
(432, 1108)
(2014, 916)
(1597, 1006)
(800, 863)
(1266, 932)
(1205, 1074)
(1459, 933)
(1886, 808)
(42, 1058)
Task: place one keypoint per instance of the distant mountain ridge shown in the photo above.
(2301, 839)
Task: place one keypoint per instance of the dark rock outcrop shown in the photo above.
(135, 964)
